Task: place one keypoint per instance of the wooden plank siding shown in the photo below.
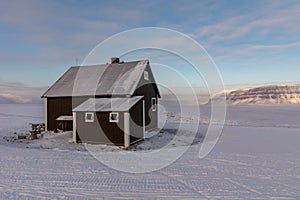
(136, 122)
(57, 106)
(101, 131)
(146, 88)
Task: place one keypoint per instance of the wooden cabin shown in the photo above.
(109, 103)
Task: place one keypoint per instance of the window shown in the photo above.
(153, 104)
(146, 77)
(89, 117)
(113, 117)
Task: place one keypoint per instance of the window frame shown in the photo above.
(146, 75)
(153, 104)
(92, 118)
(115, 120)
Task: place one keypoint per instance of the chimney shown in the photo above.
(115, 60)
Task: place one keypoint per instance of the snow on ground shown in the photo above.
(154, 139)
(257, 157)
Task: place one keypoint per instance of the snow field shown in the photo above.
(257, 157)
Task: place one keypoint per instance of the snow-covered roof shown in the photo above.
(107, 104)
(99, 80)
(64, 118)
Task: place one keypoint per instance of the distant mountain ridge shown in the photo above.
(272, 94)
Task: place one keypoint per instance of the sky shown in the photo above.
(251, 42)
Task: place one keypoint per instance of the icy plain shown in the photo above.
(257, 157)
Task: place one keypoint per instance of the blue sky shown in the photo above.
(252, 42)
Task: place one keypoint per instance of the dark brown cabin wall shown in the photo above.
(154, 94)
(57, 106)
(150, 116)
(136, 122)
(101, 131)
(115, 131)
(146, 88)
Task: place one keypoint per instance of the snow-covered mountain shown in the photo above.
(273, 94)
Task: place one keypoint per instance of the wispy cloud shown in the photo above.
(21, 93)
(59, 31)
(57, 22)
(12, 98)
(277, 47)
(219, 31)
(254, 49)
(233, 30)
(276, 21)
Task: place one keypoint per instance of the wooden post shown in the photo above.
(33, 135)
(74, 128)
(144, 124)
(126, 130)
(64, 126)
(46, 115)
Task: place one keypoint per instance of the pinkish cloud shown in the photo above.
(14, 98)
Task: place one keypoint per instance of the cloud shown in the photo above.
(57, 30)
(278, 47)
(12, 98)
(220, 30)
(254, 49)
(20, 93)
(270, 28)
(275, 21)
(55, 21)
